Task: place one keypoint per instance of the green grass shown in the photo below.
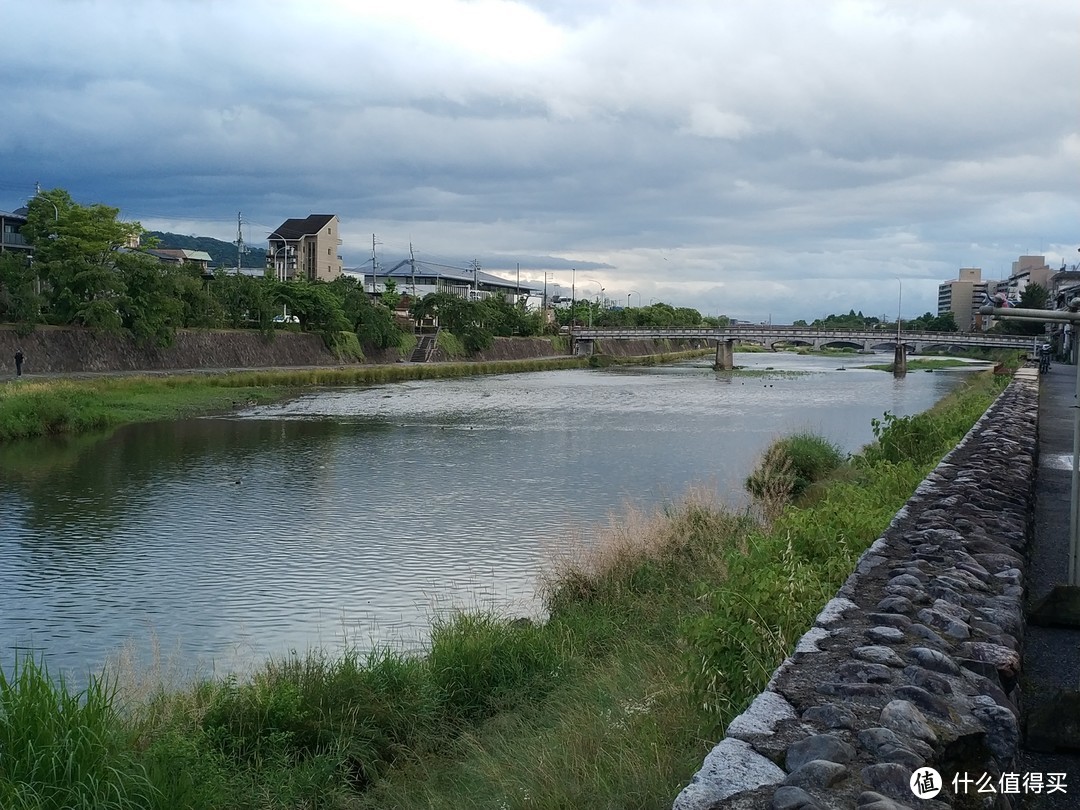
(923, 365)
(607, 360)
(661, 627)
(32, 409)
(60, 749)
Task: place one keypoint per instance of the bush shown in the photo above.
(790, 465)
(346, 346)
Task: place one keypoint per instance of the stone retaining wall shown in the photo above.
(63, 350)
(915, 662)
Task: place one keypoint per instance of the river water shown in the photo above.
(356, 515)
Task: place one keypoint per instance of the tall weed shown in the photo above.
(61, 749)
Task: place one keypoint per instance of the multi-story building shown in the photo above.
(11, 238)
(1027, 270)
(968, 292)
(963, 297)
(305, 248)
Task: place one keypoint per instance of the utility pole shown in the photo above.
(475, 284)
(373, 265)
(412, 268)
(239, 242)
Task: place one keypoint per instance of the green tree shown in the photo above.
(151, 306)
(390, 295)
(459, 316)
(245, 301)
(933, 323)
(19, 300)
(315, 305)
(1034, 296)
(372, 322)
(75, 254)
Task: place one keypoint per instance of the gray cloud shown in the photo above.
(748, 158)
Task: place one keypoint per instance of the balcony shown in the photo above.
(13, 239)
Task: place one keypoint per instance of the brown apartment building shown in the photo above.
(305, 248)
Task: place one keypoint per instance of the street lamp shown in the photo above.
(633, 292)
(601, 286)
(899, 298)
(285, 259)
(56, 215)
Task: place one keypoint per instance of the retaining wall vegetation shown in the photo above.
(915, 663)
(62, 350)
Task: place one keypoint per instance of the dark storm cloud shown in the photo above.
(749, 157)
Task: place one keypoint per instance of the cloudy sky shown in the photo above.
(755, 158)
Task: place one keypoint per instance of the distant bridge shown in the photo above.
(771, 336)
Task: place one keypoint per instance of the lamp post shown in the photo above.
(601, 286)
(633, 292)
(899, 299)
(284, 270)
(900, 353)
(573, 304)
(56, 219)
(285, 259)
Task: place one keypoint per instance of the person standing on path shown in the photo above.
(18, 362)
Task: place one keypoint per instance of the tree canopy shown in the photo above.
(1034, 296)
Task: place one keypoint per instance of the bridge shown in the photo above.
(770, 337)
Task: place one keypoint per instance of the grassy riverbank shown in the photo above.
(46, 407)
(29, 409)
(660, 630)
(924, 364)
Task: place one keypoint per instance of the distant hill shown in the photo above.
(222, 253)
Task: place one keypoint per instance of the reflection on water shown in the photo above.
(358, 513)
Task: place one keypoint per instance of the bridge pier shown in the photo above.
(899, 368)
(583, 347)
(725, 355)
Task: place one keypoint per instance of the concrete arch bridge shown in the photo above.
(773, 336)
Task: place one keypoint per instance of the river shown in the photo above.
(354, 516)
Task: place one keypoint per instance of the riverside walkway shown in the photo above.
(1051, 655)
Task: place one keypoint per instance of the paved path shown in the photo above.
(1052, 655)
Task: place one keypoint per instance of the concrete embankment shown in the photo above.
(58, 350)
(64, 350)
(915, 663)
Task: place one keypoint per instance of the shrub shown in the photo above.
(450, 344)
(790, 465)
(346, 345)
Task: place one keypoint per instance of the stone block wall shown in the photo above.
(915, 662)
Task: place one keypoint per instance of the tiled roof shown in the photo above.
(297, 228)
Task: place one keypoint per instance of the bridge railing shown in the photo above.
(778, 333)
